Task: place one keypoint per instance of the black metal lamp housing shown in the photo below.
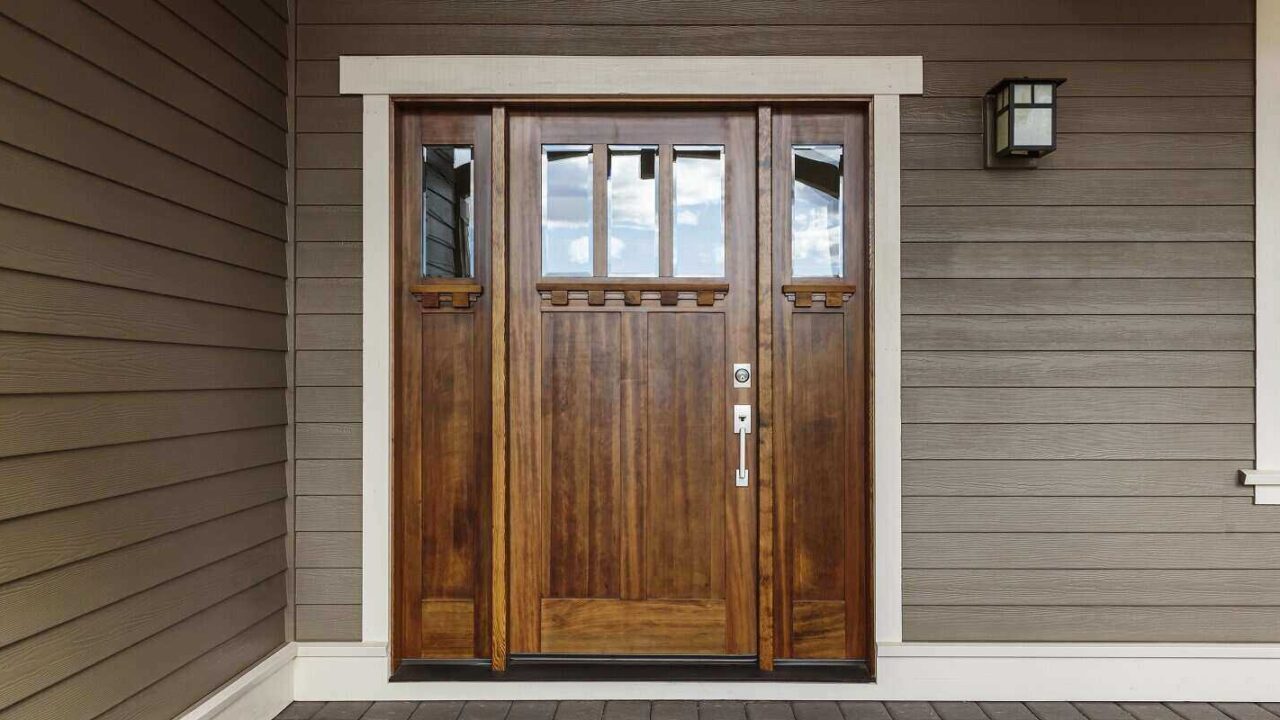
(1024, 117)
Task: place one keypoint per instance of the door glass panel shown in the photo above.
(566, 210)
(448, 227)
(698, 242)
(633, 210)
(817, 245)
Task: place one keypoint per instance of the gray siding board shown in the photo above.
(958, 441)
(67, 422)
(43, 660)
(1077, 369)
(45, 246)
(1069, 333)
(1077, 405)
(1091, 551)
(1078, 332)
(143, 513)
(1084, 588)
(1070, 223)
(1075, 624)
(42, 304)
(45, 68)
(327, 586)
(213, 21)
(1079, 296)
(1068, 478)
(922, 114)
(1084, 514)
(84, 32)
(36, 483)
(327, 440)
(327, 550)
(764, 12)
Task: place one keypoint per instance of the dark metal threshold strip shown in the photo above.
(666, 668)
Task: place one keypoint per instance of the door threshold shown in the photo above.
(633, 668)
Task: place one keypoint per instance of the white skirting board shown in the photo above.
(259, 693)
(907, 671)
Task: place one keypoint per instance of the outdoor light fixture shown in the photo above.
(1022, 119)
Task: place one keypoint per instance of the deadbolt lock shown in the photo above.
(742, 375)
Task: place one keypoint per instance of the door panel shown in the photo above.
(628, 533)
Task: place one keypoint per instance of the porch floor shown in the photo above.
(736, 710)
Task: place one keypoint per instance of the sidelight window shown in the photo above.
(817, 216)
(448, 212)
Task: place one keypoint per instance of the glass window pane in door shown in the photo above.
(633, 211)
(817, 223)
(698, 240)
(566, 210)
(448, 213)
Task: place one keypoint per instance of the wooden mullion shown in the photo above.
(498, 396)
(666, 210)
(764, 381)
(600, 210)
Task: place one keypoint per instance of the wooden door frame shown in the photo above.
(877, 81)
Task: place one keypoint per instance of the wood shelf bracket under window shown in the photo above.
(458, 295)
(633, 291)
(833, 295)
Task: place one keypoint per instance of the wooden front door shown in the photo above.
(632, 297)
(590, 306)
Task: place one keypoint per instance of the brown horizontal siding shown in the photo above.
(1078, 344)
(143, 325)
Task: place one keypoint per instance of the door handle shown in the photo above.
(741, 426)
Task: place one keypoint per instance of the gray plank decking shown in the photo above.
(773, 710)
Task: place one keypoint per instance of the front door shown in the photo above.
(632, 467)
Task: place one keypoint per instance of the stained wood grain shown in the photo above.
(645, 627)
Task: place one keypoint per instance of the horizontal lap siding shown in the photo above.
(143, 512)
(1078, 342)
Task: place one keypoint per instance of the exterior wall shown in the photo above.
(1077, 339)
(142, 351)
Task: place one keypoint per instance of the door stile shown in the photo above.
(498, 309)
(764, 388)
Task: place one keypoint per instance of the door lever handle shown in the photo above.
(741, 426)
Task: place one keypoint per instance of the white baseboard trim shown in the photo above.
(907, 671)
(260, 693)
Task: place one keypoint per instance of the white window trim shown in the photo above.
(1265, 476)
(380, 79)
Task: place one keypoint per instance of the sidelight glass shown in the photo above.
(566, 210)
(633, 211)
(448, 211)
(698, 234)
(817, 211)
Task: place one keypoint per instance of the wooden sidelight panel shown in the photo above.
(820, 346)
(628, 534)
(443, 416)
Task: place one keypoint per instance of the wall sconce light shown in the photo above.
(1021, 121)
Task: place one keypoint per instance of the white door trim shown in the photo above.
(380, 79)
(1265, 477)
